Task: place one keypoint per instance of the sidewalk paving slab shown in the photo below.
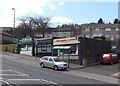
(98, 77)
(117, 75)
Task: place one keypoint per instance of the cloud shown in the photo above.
(22, 8)
(61, 20)
(91, 0)
(79, 23)
(55, 5)
(61, 3)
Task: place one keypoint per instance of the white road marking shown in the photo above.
(6, 82)
(49, 81)
(19, 73)
(32, 80)
(5, 70)
(24, 79)
(13, 75)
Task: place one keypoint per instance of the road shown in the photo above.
(106, 69)
(22, 74)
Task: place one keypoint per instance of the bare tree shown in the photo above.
(41, 24)
(31, 25)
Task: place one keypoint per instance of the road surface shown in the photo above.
(21, 74)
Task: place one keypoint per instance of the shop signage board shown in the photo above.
(63, 41)
(23, 40)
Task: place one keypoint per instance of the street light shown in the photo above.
(14, 16)
(14, 23)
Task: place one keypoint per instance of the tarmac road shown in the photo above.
(20, 73)
(106, 69)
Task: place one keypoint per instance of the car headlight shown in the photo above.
(60, 64)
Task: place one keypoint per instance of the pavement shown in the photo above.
(33, 58)
(113, 78)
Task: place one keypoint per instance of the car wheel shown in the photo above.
(111, 62)
(65, 69)
(42, 65)
(56, 68)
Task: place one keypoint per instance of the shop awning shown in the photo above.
(61, 47)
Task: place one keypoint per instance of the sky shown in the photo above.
(61, 11)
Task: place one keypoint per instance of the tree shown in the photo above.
(116, 21)
(41, 23)
(30, 25)
(100, 21)
(24, 28)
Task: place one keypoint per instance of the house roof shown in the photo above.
(4, 33)
(100, 25)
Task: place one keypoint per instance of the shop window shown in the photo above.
(73, 50)
(49, 50)
(44, 48)
(29, 48)
(39, 50)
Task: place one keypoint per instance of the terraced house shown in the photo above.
(110, 31)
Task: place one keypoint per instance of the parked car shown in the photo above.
(53, 62)
(109, 58)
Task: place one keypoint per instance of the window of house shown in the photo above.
(97, 29)
(112, 37)
(87, 29)
(117, 29)
(108, 29)
(117, 36)
(87, 36)
(107, 36)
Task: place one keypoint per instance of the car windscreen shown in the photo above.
(57, 60)
(106, 55)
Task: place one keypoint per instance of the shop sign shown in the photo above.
(63, 41)
(23, 40)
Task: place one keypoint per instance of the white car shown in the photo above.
(53, 62)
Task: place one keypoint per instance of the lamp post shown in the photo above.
(14, 17)
(13, 25)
